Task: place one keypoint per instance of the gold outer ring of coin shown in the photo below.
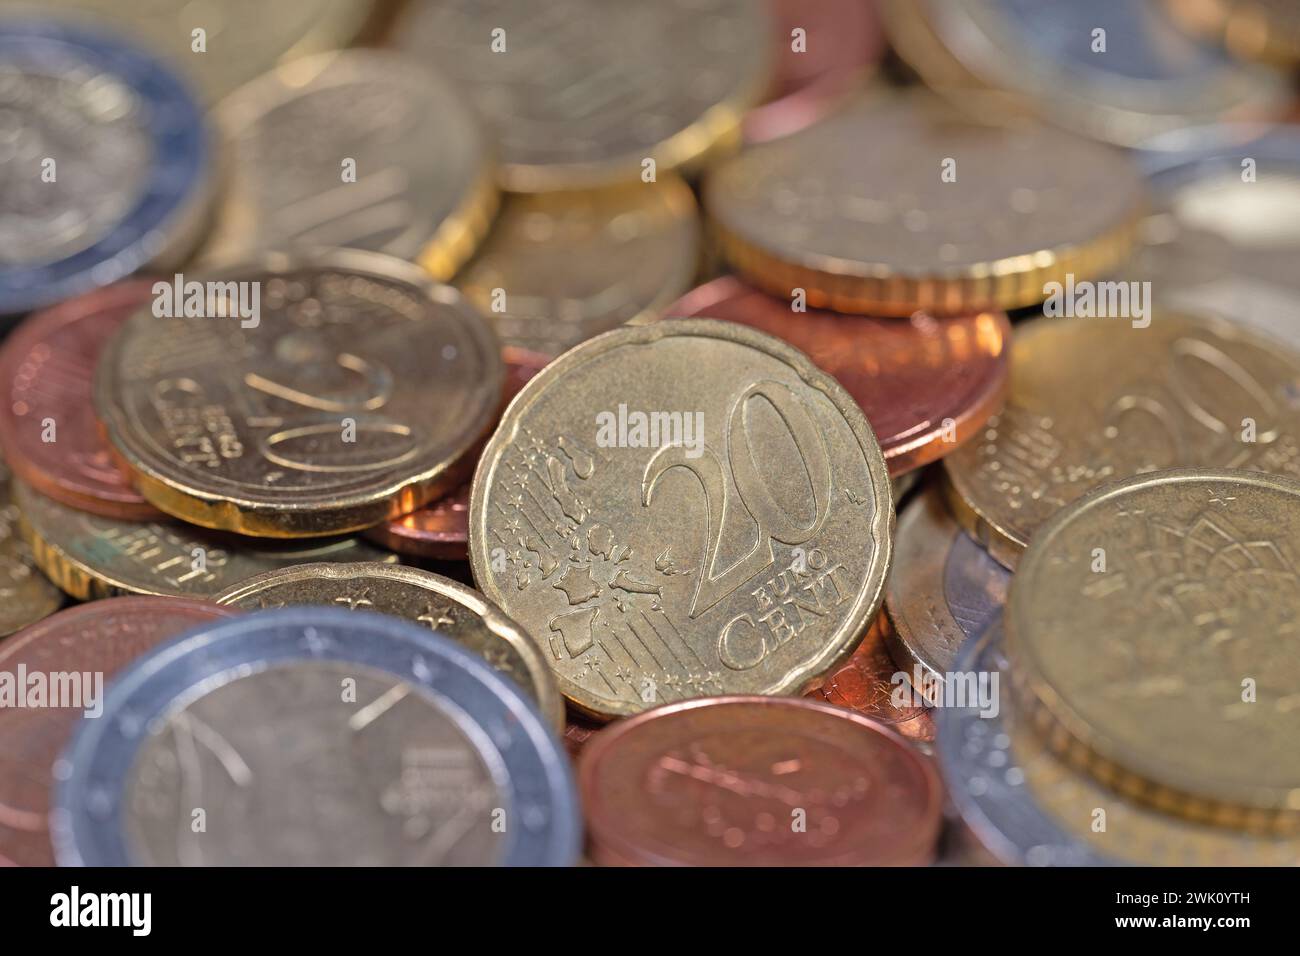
(1121, 760)
(319, 584)
(834, 279)
(89, 556)
(441, 247)
(179, 491)
(867, 599)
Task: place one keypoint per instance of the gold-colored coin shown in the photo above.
(559, 268)
(580, 93)
(353, 397)
(1118, 72)
(668, 534)
(90, 557)
(240, 38)
(1266, 30)
(895, 205)
(428, 599)
(26, 595)
(1152, 634)
(1095, 400)
(361, 149)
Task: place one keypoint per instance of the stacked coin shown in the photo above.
(464, 424)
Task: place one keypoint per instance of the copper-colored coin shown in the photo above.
(88, 643)
(925, 384)
(440, 531)
(841, 44)
(48, 427)
(754, 781)
(866, 684)
(577, 731)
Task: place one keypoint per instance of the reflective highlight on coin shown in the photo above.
(448, 744)
(422, 597)
(354, 398)
(748, 556)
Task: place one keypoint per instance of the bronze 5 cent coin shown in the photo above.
(925, 384)
(68, 659)
(313, 393)
(683, 509)
(754, 781)
(48, 428)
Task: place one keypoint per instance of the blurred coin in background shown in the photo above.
(580, 93)
(360, 148)
(560, 267)
(894, 205)
(105, 162)
(240, 39)
(1114, 70)
(1254, 29)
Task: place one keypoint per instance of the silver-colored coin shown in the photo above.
(1224, 236)
(986, 784)
(105, 162)
(315, 737)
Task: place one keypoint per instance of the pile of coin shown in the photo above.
(706, 432)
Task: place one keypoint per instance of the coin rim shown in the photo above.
(870, 596)
(172, 489)
(548, 698)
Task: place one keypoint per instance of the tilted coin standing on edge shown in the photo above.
(757, 781)
(896, 204)
(361, 149)
(89, 644)
(925, 384)
(28, 594)
(409, 751)
(48, 427)
(683, 509)
(241, 38)
(559, 268)
(581, 93)
(1094, 400)
(352, 398)
(943, 590)
(1151, 631)
(108, 168)
(1110, 69)
(90, 556)
(427, 599)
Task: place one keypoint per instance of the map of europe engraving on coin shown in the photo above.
(742, 549)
